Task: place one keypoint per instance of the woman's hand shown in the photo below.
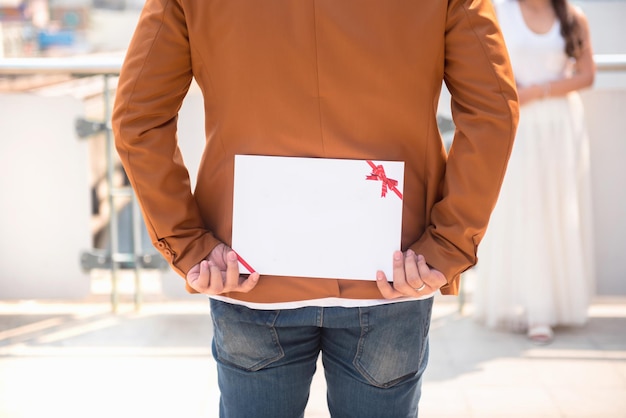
(529, 93)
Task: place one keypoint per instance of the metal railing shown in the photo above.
(111, 258)
(610, 62)
(109, 67)
(95, 65)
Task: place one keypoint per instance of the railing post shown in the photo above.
(137, 249)
(113, 192)
(113, 220)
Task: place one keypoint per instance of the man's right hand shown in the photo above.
(219, 273)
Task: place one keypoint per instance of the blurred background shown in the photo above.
(93, 323)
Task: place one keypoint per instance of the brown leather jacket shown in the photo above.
(356, 79)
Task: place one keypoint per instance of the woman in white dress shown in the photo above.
(535, 268)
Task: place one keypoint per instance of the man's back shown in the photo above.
(330, 79)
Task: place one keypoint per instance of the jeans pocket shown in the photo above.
(244, 337)
(394, 342)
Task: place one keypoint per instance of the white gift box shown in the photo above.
(317, 217)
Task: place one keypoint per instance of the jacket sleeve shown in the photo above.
(485, 111)
(154, 79)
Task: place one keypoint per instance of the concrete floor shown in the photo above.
(79, 360)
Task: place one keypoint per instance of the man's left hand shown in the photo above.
(411, 277)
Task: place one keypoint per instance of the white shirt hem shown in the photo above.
(325, 302)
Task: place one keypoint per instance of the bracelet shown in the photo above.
(546, 89)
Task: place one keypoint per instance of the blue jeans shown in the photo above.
(373, 358)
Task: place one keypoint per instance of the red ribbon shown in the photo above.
(244, 263)
(378, 173)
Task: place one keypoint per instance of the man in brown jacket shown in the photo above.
(341, 79)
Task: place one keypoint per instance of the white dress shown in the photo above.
(536, 260)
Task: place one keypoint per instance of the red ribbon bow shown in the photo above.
(378, 173)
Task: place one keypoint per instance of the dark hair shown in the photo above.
(570, 28)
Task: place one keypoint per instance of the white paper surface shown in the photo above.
(316, 217)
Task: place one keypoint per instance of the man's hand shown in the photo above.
(219, 273)
(411, 277)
